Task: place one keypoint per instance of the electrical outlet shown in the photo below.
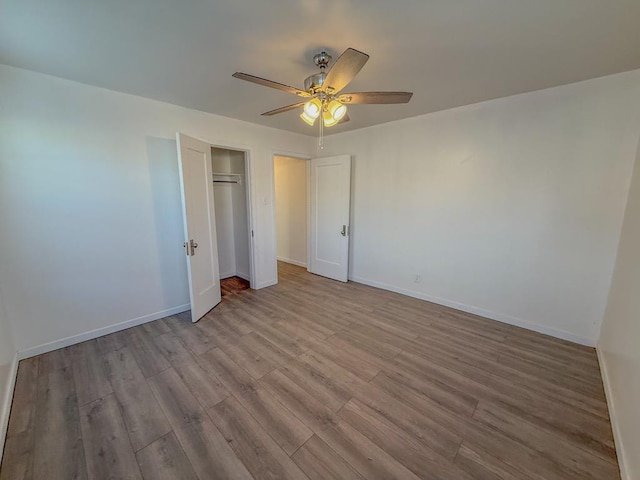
(418, 279)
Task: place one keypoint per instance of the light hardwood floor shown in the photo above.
(313, 379)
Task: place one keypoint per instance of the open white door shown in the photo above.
(330, 194)
(196, 185)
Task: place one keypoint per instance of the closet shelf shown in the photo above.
(233, 178)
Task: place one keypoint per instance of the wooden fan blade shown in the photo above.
(375, 97)
(283, 109)
(346, 67)
(344, 119)
(269, 83)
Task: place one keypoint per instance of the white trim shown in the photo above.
(7, 400)
(268, 283)
(227, 275)
(99, 332)
(253, 251)
(274, 220)
(243, 276)
(292, 262)
(251, 210)
(308, 174)
(479, 311)
(617, 439)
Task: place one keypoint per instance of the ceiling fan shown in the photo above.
(322, 91)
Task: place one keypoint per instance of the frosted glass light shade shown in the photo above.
(313, 108)
(328, 119)
(336, 109)
(307, 119)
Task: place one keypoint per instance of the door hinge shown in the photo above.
(186, 248)
(193, 245)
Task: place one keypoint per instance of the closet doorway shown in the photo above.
(215, 186)
(291, 180)
(231, 201)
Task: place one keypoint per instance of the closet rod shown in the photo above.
(234, 178)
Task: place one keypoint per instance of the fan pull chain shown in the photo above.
(321, 140)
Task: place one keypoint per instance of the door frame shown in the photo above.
(249, 201)
(300, 156)
(248, 167)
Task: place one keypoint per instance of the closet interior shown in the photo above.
(232, 218)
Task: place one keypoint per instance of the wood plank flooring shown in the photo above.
(313, 379)
(231, 285)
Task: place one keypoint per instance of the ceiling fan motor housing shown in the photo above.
(313, 82)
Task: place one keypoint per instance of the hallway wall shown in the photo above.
(291, 209)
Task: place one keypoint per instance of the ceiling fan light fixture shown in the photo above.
(329, 120)
(313, 108)
(336, 109)
(307, 119)
(322, 92)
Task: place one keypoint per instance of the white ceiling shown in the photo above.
(449, 52)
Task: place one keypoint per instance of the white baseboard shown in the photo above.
(267, 283)
(479, 311)
(99, 332)
(243, 276)
(292, 262)
(617, 439)
(7, 398)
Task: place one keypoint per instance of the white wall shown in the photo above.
(89, 204)
(510, 208)
(619, 345)
(291, 209)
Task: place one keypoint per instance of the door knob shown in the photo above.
(193, 246)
